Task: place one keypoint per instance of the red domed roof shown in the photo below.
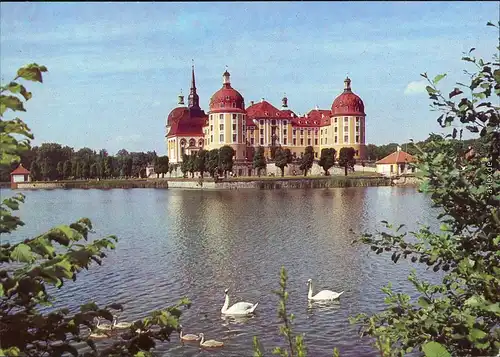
(227, 99)
(348, 103)
(176, 113)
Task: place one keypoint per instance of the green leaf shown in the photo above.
(430, 90)
(435, 349)
(10, 102)
(477, 334)
(438, 78)
(32, 72)
(22, 253)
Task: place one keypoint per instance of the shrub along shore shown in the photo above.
(210, 183)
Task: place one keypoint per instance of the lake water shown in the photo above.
(177, 243)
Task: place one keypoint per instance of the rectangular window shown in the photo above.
(285, 122)
(346, 139)
(321, 141)
(221, 127)
(357, 120)
(284, 141)
(211, 138)
(234, 104)
(357, 129)
(252, 141)
(221, 138)
(221, 116)
(261, 141)
(284, 131)
(301, 132)
(316, 141)
(262, 132)
(273, 122)
(326, 140)
(294, 132)
(346, 119)
(262, 122)
(335, 120)
(211, 128)
(315, 154)
(234, 138)
(301, 141)
(357, 139)
(234, 116)
(294, 141)
(321, 132)
(234, 126)
(335, 129)
(309, 141)
(336, 139)
(346, 129)
(326, 131)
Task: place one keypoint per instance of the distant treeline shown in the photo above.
(52, 161)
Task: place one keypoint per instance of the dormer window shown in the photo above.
(227, 97)
(234, 104)
(222, 105)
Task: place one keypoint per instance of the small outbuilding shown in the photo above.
(19, 175)
(396, 164)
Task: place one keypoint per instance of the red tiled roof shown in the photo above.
(228, 96)
(315, 118)
(184, 122)
(20, 171)
(397, 157)
(264, 110)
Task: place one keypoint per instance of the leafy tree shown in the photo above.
(35, 171)
(162, 166)
(460, 315)
(185, 165)
(307, 160)
(108, 167)
(346, 158)
(327, 159)
(59, 169)
(371, 152)
(282, 158)
(191, 164)
(171, 168)
(48, 170)
(127, 166)
(93, 171)
(201, 162)
(226, 154)
(78, 170)
(67, 169)
(213, 161)
(85, 170)
(259, 160)
(29, 267)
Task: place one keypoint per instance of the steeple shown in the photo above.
(194, 100)
(347, 85)
(226, 82)
(284, 102)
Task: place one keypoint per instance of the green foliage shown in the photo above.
(201, 162)
(294, 344)
(226, 154)
(213, 161)
(259, 160)
(162, 166)
(185, 164)
(327, 159)
(35, 171)
(346, 158)
(53, 258)
(460, 315)
(307, 160)
(282, 158)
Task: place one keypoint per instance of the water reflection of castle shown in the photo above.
(189, 128)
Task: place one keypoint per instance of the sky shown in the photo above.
(116, 69)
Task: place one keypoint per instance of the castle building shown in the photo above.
(228, 122)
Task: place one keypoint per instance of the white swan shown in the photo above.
(240, 308)
(323, 294)
(104, 327)
(97, 335)
(120, 325)
(188, 337)
(209, 343)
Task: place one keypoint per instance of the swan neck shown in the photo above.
(202, 339)
(180, 335)
(310, 293)
(226, 303)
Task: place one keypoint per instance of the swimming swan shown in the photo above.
(188, 337)
(120, 325)
(240, 308)
(323, 294)
(104, 327)
(209, 343)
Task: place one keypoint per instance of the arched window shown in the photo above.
(183, 142)
(200, 142)
(192, 142)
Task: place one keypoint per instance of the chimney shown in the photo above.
(252, 102)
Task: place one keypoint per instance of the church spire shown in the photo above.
(194, 100)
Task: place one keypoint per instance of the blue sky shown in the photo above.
(115, 69)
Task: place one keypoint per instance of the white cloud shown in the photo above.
(416, 87)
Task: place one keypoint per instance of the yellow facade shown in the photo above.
(226, 129)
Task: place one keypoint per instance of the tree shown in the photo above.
(162, 166)
(78, 170)
(85, 170)
(185, 165)
(327, 159)
(201, 162)
(67, 169)
(191, 165)
(127, 166)
(307, 160)
(226, 154)
(59, 169)
(171, 168)
(93, 171)
(29, 267)
(371, 152)
(460, 315)
(35, 171)
(108, 167)
(259, 160)
(48, 170)
(282, 158)
(213, 161)
(346, 158)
